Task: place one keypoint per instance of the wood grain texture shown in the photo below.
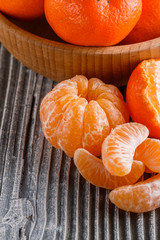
(42, 194)
(39, 48)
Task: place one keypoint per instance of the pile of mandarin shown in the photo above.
(88, 119)
(92, 23)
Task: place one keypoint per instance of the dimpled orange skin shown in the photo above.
(142, 197)
(22, 9)
(73, 114)
(148, 26)
(93, 23)
(142, 95)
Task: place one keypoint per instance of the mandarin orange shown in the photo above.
(74, 114)
(148, 26)
(142, 95)
(22, 9)
(118, 148)
(93, 23)
(142, 197)
(93, 170)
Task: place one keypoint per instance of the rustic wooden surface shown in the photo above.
(42, 194)
(39, 48)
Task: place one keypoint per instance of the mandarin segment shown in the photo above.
(114, 116)
(118, 148)
(70, 130)
(93, 170)
(149, 153)
(82, 84)
(93, 85)
(52, 120)
(108, 89)
(63, 88)
(96, 128)
(143, 91)
(142, 197)
(119, 103)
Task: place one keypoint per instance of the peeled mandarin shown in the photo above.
(73, 115)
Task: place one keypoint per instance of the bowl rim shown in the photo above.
(24, 34)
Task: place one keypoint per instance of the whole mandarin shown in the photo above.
(22, 9)
(143, 95)
(148, 26)
(93, 23)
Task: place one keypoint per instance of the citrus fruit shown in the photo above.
(142, 197)
(149, 153)
(143, 93)
(93, 170)
(73, 114)
(93, 23)
(148, 26)
(118, 148)
(22, 9)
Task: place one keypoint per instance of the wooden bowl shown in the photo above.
(36, 45)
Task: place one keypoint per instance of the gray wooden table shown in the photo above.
(42, 194)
